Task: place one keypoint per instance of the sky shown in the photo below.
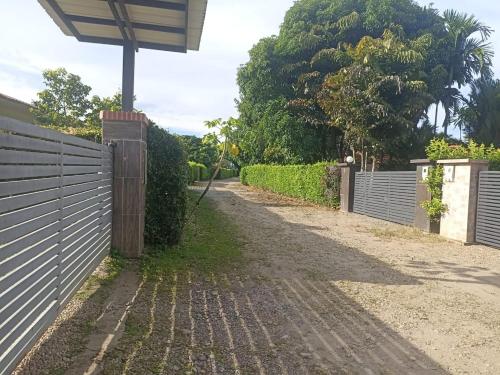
(177, 91)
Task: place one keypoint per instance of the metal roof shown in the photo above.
(169, 25)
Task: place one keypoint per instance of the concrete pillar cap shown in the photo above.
(421, 161)
(123, 116)
(462, 161)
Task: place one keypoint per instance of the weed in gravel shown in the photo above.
(404, 233)
(210, 244)
(109, 270)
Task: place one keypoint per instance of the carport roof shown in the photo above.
(169, 25)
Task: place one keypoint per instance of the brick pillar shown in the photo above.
(347, 179)
(422, 220)
(128, 132)
(460, 191)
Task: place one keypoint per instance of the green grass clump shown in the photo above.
(210, 243)
(318, 183)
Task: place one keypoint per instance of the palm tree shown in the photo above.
(469, 56)
(480, 114)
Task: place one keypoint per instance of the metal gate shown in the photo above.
(386, 195)
(488, 209)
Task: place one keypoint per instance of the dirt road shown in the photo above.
(321, 292)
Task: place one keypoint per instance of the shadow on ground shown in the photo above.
(280, 314)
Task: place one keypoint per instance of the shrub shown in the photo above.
(439, 149)
(91, 133)
(166, 195)
(318, 183)
(434, 181)
(225, 173)
(196, 171)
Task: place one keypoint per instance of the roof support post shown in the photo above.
(128, 76)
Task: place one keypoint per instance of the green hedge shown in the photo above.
(439, 149)
(227, 173)
(196, 172)
(206, 174)
(317, 183)
(166, 195)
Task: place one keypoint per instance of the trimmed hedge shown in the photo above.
(227, 173)
(318, 183)
(206, 174)
(166, 195)
(197, 172)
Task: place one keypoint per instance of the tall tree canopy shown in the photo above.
(65, 105)
(344, 74)
(64, 102)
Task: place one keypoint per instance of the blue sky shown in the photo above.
(178, 91)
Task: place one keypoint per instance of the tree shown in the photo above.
(200, 150)
(479, 117)
(64, 102)
(378, 100)
(65, 105)
(98, 104)
(283, 115)
(469, 56)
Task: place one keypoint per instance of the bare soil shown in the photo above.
(320, 292)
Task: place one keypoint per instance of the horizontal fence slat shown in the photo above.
(25, 200)
(80, 169)
(79, 179)
(10, 172)
(29, 214)
(28, 338)
(26, 157)
(79, 188)
(23, 143)
(72, 249)
(27, 268)
(73, 218)
(28, 186)
(82, 224)
(24, 309)
(79, 151)
(26, 321)
(81, 160)
(25, 295)
(77, 207)
(92, 260)
(24, 256)
(84, 257)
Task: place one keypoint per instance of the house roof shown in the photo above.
(170, 25)
(15, 108)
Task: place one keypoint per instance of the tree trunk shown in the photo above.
(446, 120)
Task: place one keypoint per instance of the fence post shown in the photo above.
(347, 180)
(422, 220)
(127, 131)
(460, 192)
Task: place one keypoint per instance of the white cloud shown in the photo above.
(177, 90)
